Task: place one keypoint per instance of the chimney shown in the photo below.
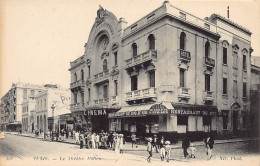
(228, 12)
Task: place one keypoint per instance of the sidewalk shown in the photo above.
(128, 145)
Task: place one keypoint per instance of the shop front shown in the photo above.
(94, 119)
(171, 120)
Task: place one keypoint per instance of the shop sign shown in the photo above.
(96, 112)
(162, 112)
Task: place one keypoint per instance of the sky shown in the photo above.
(39, 38)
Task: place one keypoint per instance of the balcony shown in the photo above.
(209, 62)
(102, 76)
(141, 59)
(104, 101)
(141, 94)
(184, 56)
(208, 96)
(77, 106)
(183, 93)
(78, 84)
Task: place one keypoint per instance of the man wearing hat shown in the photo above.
(149, 149)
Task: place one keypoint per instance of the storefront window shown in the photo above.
(206, 120)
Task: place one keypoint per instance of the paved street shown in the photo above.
(18, 148)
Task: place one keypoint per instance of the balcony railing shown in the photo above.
(77, 106)
(141, 58)
(184, 55)
(101, 75)
(114, 99)
(104, 101)
(184, 92)
(141, 94)
(208, 95)
(210, 62)
(79, 83)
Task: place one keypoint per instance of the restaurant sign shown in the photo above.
(161, 112)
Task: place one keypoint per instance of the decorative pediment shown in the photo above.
(104, 54)
(88, 61)
(225, 42)
(235, 47)
(115, 47)
(244, 51)
(100, 15)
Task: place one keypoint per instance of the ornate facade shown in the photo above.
(169, 73)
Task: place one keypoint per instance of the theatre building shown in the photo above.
(168, 72)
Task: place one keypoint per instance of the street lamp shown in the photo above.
(53, 107)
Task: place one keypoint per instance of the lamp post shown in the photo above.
(52, 107)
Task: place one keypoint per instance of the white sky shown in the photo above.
(39, 38)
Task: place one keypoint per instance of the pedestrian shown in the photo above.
(67, 134)
(77, 137)
(64, 135)
(155, 143)
(110, 140)
(117, 143)
(149, 149)
(167, 150)
(162, 148)
(89, 140)
(209, 141)
(97, 139)
(185, 145)
(192, 151)
(93, 142)
(121, 143)
(133, 138)
(81, 138)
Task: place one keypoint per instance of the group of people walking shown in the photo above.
(101, 140)
(163, 146)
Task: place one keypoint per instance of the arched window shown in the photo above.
(134, 49)
(82, 75)
(151, 42)
(75, 77)
(182, 41)
(105, 65)
(207, 46)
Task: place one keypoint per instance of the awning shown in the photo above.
(164, 109)
(142, 110)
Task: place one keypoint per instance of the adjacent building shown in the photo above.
(169, 73)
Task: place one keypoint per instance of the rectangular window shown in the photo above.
(182, 120)
(207, 82)
(224, 55)
(244, 89)
(32, 93)
(244, 62)
(45, 103)
(89, 95)
(225, 122)
(75, 98)
(133, 83)
(206, 120)
(24, 94)
(116, 90)
(115, 55)
(105, 91)
(182, 79)
(224, 85)
(89, 71)
(235, 88)
(152, 78)
(235, 60)
(82, 97)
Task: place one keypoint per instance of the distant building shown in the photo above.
(28, 105)
(11, 104)
(169, 73)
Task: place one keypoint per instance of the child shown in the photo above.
(167, 150)
(192, 151)
(149, 149)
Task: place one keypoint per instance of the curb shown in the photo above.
(176, 147)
